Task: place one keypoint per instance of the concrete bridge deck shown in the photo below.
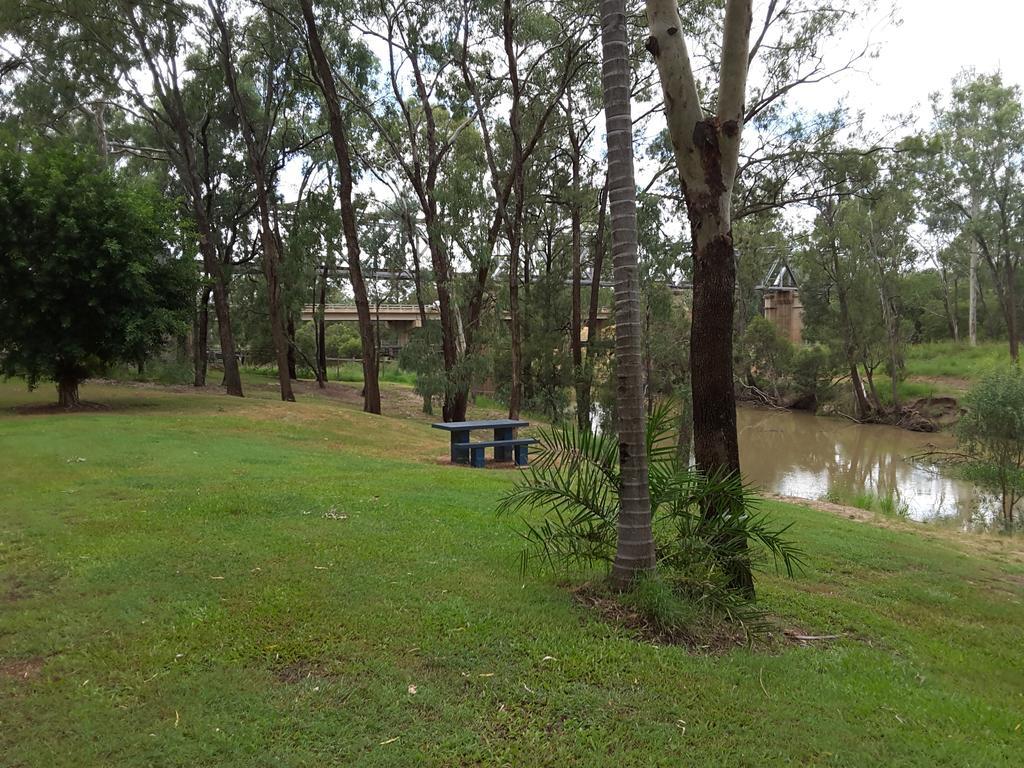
(403, 318)
(396, 313)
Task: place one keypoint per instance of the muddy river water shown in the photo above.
(798, 454)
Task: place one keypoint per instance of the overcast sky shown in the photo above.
(936, 40)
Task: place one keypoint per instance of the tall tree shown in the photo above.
(707, 154)
(257, 133)
(323, 75)
(94, 59)
(542, 57)
(420, 135)
(982, 133)
(635, 550)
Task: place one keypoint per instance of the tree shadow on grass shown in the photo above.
(83, 407)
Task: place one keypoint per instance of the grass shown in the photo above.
(961, 361)
(943, 369)
(888, 503)
(193, 580)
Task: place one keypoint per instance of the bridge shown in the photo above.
(403, 318)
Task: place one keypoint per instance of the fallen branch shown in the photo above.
(846, 416)
(808, 638)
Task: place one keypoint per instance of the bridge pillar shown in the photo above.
(404, 329)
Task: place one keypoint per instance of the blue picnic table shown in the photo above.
(505, 443)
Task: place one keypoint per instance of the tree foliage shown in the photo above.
(991, 434)
(85, 263)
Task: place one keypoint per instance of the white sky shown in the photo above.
(936, 40)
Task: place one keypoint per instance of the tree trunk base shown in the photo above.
(67, 394)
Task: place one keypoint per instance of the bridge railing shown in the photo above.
(404, 308)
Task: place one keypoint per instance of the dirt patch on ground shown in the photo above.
(712, 641)
(13, 592)
(300, 671)
(42, 409)
(943, 412)
(852, 513)
(22, 669)
(395, 400)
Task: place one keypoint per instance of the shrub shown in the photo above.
(574, 484)
(991, 437)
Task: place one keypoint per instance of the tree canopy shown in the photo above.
(87, 266)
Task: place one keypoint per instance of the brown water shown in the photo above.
(797, 454)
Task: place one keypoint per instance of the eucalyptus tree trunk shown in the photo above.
(293, 368)
(213, 266)
(321, 327)
(972, 300)
(256, 148)
(890, 319)
(324, 77)
(585, 386)
(410, 234)
(635, 551)
(950, 302)
(515, 223)
(180, 142)
(707, 155)
(576, 319)
(201, 342)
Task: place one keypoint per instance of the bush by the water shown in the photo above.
(781, 372)
(991, 437)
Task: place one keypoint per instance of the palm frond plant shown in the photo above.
(568, 503)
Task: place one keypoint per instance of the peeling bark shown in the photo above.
(707, 154)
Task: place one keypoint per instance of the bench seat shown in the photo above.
(520, 447)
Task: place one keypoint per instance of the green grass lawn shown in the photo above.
(961, 361)
(943, 369)
(194, 580)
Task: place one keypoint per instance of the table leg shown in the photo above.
(477, 458)
(503, 433)
(460, 451)
(522, 455)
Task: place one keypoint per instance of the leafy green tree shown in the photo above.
(978, 183)
(86, 273)
(991, 434)
(767, 356)
(853, 267)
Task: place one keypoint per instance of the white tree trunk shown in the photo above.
(972, 302)
(707, 155)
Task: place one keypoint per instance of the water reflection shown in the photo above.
(797, 454)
